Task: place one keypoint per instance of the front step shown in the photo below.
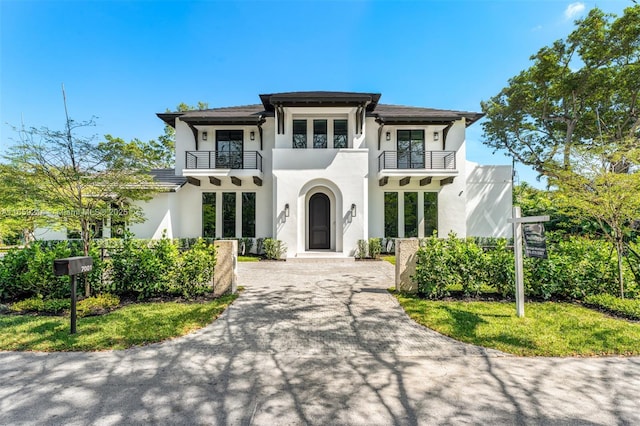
(320, 256)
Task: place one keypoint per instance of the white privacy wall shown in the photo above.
(489, 200)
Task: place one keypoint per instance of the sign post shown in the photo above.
(517, 222)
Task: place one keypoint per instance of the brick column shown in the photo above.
(406, 249)
(225, 277)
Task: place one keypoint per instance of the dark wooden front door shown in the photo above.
(319, 222)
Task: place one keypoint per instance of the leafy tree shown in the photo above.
(594, 188)
(74, 180)
(579, 93)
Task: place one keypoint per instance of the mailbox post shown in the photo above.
(73, 266)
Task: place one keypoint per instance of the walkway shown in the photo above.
(315, 343)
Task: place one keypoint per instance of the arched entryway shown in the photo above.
(319, 221)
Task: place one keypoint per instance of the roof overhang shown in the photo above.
(470, 118)
(319, 99)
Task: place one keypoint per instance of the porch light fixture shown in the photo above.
(252, 136)
(436, 136)
(388, 136)
(204, 136)
(286, 210)
(353, 210)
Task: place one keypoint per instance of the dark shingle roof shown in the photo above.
(255, 114)
(167, 178)
(403, 114)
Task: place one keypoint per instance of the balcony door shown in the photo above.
(411, 149)
(319, 221)
(229, 147)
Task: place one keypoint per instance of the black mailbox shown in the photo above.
(73, 265)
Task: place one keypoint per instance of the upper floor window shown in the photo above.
(410, 149)
(299, 133)
(319, 133)
(339, 133)
(229, 149)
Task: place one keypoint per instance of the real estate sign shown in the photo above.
(535, 243)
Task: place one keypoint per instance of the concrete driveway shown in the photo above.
(315, 343)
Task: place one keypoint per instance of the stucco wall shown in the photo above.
(451, 198)
(489, 200)
(341, 174)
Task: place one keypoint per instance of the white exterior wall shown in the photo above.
(451, 198)
(489, 200)
(341, 174)
(160, 217)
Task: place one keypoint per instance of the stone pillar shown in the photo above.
(225, 277)
(406, 249)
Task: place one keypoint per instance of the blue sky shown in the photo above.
(123, 61)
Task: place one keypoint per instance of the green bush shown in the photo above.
(467, 264)
(143, 270)
(28, 272)
(38, 305)
(194, 270)
(576, 268)
(375, 247)
(362, 249)
(629, 308)
(500, 268)
(96, 305)
(433, 274)
(274, 249)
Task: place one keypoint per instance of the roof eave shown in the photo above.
(169, 117)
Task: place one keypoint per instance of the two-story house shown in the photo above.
(322, 170)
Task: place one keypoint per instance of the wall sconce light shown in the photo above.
(353, 210)
(436, 136)
(204, 136)
(252, 136)
(286, 210)
(388, 136)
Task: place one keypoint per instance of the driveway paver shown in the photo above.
(315, 343)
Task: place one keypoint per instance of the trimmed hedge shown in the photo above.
(133, 268)
(576, 268)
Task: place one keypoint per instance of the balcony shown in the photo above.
(429, 160)
(218, 164)
(425, 165)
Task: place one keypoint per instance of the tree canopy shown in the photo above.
(580, 92)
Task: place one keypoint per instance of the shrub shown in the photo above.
(194, 270)
(432, 269)
(274, 249)
(362, 249)
(96, 305)
(500, 268)
(629, 308)
(38, 305)
(143, 270)
(466, 263)
(28, 272)
(375, 247)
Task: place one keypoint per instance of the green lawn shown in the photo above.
(390, 258)
(248, 259)
(132, 325)
(548, 329)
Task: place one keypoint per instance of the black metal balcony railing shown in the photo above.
(223, 160)
(427, 160)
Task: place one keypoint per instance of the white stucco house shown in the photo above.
(322, 170)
